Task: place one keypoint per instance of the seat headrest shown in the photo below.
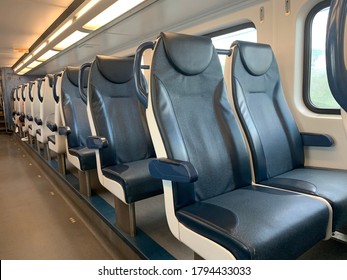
(50, 80)
(257, 58)
(118, 70)
(190, 55)
(72, 74)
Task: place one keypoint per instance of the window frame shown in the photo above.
(307, 61)
(231, 29)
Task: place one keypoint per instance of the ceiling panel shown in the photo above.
(125, 35)
(22, 22)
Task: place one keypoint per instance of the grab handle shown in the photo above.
(141, 88)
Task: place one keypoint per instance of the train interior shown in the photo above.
(110, 149)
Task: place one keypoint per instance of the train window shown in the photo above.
(223, 39)
(317, 94)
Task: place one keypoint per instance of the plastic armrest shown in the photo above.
(52, 126)
(317, 140)
(96, 142)
(38, 121)
(64, 130)
(173, 170)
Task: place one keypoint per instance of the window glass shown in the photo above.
(319, 93)
(225, 40)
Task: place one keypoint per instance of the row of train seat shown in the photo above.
(226, 151)
(75, 128)
(205, 158)
(67, 119)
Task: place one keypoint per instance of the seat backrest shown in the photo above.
(45, 97)
(18, 99)
(47, 104)
(59, 143)
(116, 111)
(14, 99)
(31, 99)
(22, 99)
(26, 100)
(272, 134)
(35, 104)
(56, 97)
(74, 112)
(83, 77)
(194, 117)
(38, 87)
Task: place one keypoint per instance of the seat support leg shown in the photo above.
(61, 164)
(38, 147)
(47, 154)
(88, 180)
(30, 139)
(84, 181)
(33, 141)
(125, 216)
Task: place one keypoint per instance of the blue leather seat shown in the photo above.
(27, 109)
(29, 114)
(75, 126)
(35, 109)
(276, 145)
(211, 204)
(118, 119)
(14, 98)
(46, 114)
(75, 119)
(56, 142)
(22, 103)
(18, 105)
(18, 115)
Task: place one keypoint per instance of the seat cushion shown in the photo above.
(259, 223)
(330, 184)
(85, 156)
(135, 179)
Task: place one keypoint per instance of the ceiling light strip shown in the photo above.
(114, 11)
(60, 30)
(86, 8)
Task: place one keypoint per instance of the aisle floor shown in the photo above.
(36, 223)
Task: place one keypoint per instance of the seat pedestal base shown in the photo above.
(197, 257)
(46, 153)
(125, 216)
(61, 164)
(88, 179)
(30, 139)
